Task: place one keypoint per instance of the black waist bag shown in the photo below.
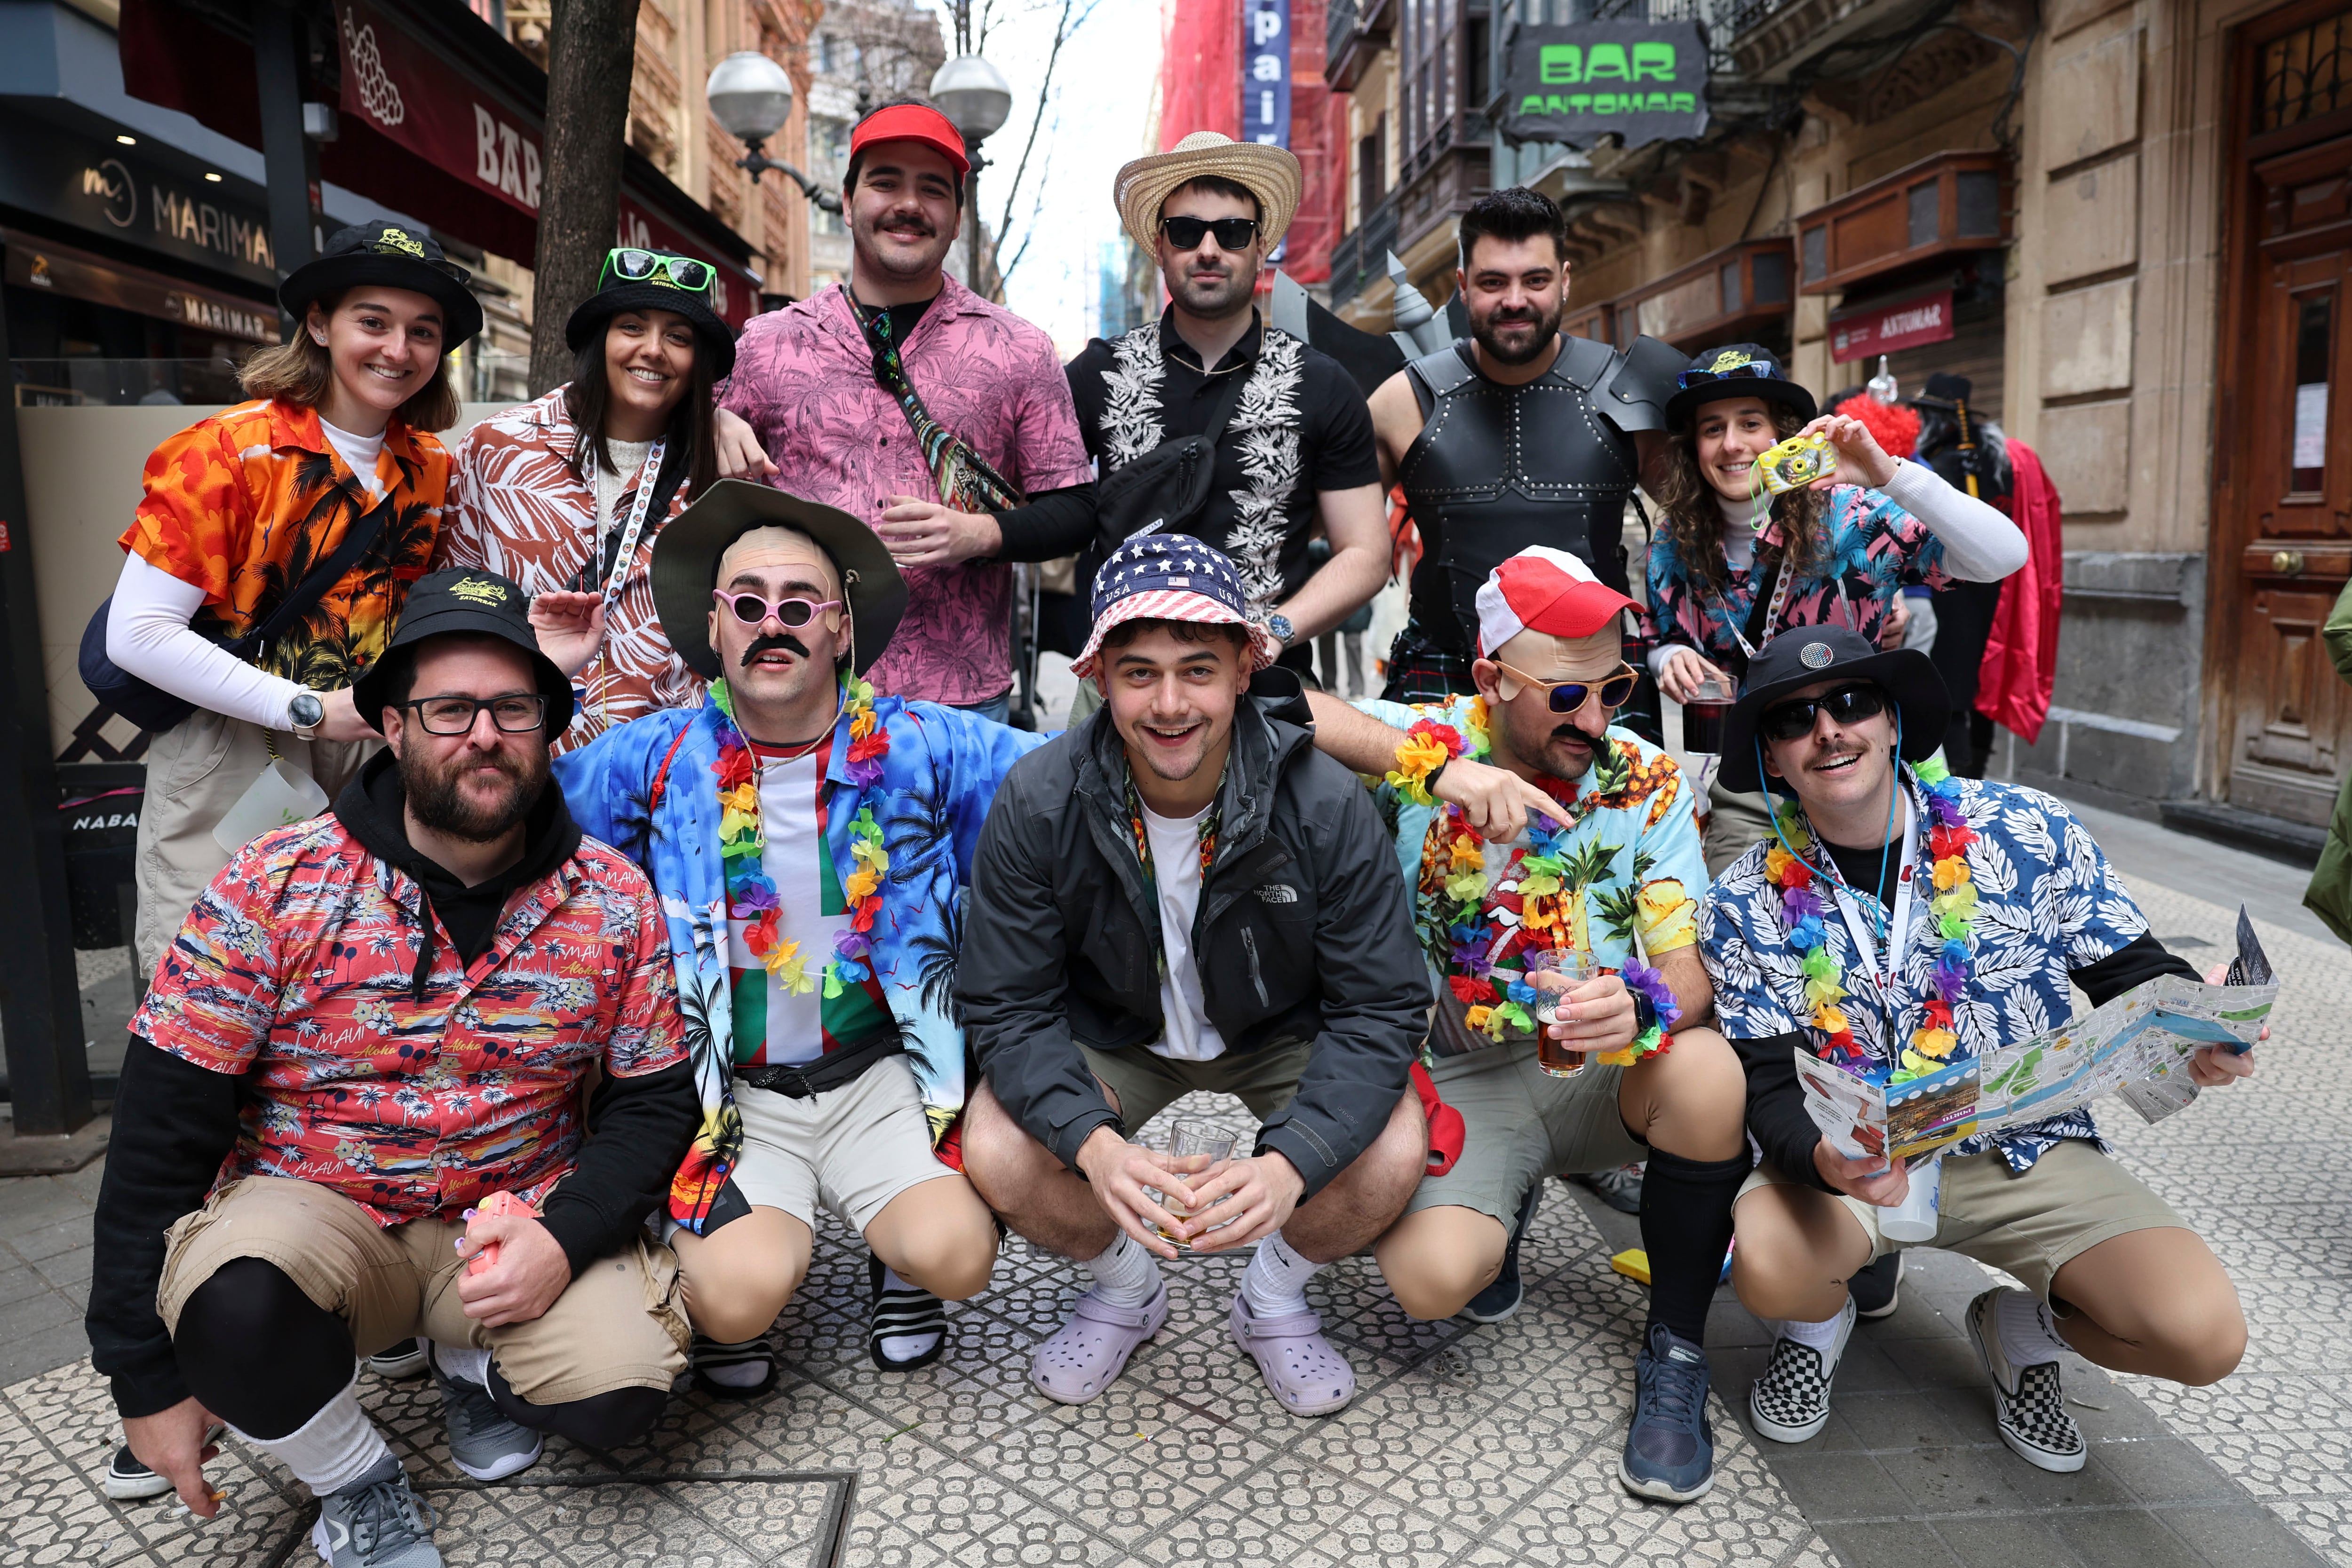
(1163, 491)
(155, 710)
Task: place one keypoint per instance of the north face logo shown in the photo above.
(1279, 893)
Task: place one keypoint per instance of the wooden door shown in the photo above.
(2283, 518)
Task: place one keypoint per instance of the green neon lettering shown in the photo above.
(1560, 65)
(1653, 61)
(1683, 102)
(1607, 61)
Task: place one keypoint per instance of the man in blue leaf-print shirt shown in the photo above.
(2113, 1272)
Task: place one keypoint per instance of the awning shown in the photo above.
(49, 267)
(440, 116)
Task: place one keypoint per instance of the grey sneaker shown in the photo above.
(377, 1522)
(483, 1442)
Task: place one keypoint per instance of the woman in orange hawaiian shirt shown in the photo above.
(568, 492)
(240, 507)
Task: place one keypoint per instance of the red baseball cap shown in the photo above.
(1544, 590)
(912, 122)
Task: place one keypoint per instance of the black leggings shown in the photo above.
(265, 1358)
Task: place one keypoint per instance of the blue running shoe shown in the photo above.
(1501, 1298)
(1670, 1451)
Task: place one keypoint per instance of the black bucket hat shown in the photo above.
(1736, 370)
(475, 604)
(382, 251)
(1804, 655)
(686, 567)
(656, 291)
(1944, 390)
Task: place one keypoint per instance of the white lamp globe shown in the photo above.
(750, 95)
(973, 95)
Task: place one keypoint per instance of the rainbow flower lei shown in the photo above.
(752, 895)
(1428, 747)
(1953, 907)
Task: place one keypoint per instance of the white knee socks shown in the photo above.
(1125, 1274)
(333, 1448)
(1275, 1283)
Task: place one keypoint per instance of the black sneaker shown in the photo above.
(1501, 1298)
(128, 1481)
(1876, 1289)
(405, 1359)
(1620, 1189)
(2030, 1402)
(903, 1312)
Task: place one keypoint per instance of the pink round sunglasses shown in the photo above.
(751, 610)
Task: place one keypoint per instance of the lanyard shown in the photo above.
(1772, 614)
(636, 527)
(1898, 925)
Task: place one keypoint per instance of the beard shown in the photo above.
(1213, 297)
(1540, 326)
(1535, 737)
(440, 800)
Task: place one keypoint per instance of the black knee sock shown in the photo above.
(1686, 1229)
(259, 1354)
(612, 1419)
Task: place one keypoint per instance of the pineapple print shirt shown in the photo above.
(1633, 870)
(244, 504)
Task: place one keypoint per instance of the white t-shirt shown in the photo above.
(795, 1031)
(1176, 866)
(359, 454)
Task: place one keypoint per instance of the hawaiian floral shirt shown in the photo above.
(2047, 902)
(1632, 869)
(805, 382)
(651, 789)
(516, 509)
(244, 504)
(1877, 548)
(296, 970)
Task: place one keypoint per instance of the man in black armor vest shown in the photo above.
(1514, 436)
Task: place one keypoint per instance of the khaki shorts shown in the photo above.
(1146, 1083)
(853, 1148)
(617, 1325)
(195, 771)
(1736, 821)
(1522, 1124)
(2031, 1226)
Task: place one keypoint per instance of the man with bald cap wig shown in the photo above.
(808, 839)
(1615, 877)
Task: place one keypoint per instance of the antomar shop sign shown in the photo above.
(1644, 82)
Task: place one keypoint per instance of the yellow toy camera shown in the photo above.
(1796, 463)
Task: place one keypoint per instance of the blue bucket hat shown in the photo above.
(1171, 576)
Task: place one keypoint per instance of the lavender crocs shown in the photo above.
(1299, 1364)
(1091, 1351)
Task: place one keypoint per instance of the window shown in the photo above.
(1482, 75)
(1371, 169)
(2313, 344)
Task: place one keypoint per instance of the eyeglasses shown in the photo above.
(654, 267)
(1568, 696)
(1845, 704)
(517, 714)
(1752, 370)
(750, 609)
(1233, 233)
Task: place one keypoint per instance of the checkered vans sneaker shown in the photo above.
(2030, 1402)
(1791, 1402)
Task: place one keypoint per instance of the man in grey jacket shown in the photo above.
(1183, 895)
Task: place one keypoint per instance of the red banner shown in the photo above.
(1883, 328)
(401, 89)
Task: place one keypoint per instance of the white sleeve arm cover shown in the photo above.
(147, 635)
(1980, 544)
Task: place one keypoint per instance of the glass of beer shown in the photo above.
(1197, 1150)
(1575, 968)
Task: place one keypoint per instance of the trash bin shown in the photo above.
(98, 804)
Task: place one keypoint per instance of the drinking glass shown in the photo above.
(1575, 966)
(1196, 1151)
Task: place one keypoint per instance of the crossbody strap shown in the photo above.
(357, 540)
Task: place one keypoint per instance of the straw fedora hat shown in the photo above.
(1270, 173)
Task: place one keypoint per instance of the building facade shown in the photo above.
(2123, 220)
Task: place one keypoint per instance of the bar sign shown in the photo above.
(1266, 72)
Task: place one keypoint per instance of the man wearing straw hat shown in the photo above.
(1293, 437)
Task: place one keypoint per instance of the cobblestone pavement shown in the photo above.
(1466, 1446)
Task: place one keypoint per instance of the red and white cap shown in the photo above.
(1543, 590)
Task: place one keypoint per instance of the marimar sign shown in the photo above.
(1642, 81)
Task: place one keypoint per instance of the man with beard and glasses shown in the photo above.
(1294, 446)
(1611, 873)
(1514, 436)
(905, 399)
(351, 1113)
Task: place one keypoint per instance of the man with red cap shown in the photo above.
(908, 401)
(1583, 927)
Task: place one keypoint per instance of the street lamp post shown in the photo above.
(750, 96)
(977, 99)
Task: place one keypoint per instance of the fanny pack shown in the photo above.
(805, 1081)
(1163, 491)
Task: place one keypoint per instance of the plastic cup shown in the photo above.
(1913, 1220)
(1705, 716)
(1553, 1056)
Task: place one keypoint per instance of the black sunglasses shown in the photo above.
(1753, 370)
(1233, 233)
(1845, 704)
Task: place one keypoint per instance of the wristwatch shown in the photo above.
(1279, 624)
(1645, 1015)
(305, 714)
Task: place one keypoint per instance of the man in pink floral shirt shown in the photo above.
(835, 390)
